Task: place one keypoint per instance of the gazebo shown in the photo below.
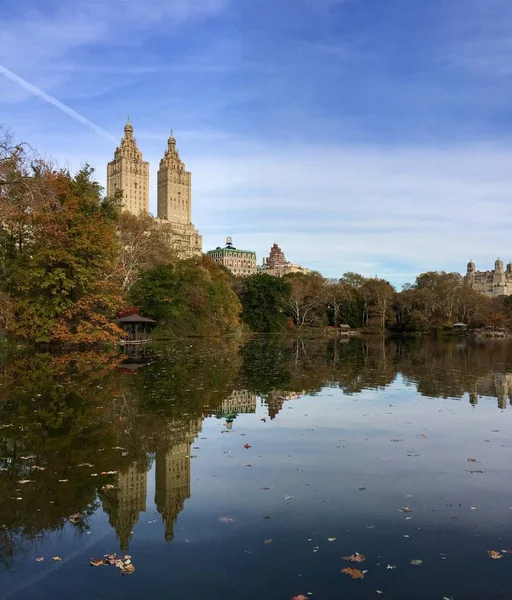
(136, 329)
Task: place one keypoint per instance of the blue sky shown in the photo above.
(360, 135)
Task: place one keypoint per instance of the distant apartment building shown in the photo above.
(490, 283)
(241, 263)
(277, 265)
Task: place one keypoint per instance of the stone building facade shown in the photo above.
(277, 265)
(490, 283)
(241, 263)
(174, 203)
(130, 173)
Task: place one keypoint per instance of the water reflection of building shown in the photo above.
(124, 503)
(172, 474)
(494, 385)
(239, 401)
(276, 399)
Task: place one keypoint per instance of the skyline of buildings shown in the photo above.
(129, 173)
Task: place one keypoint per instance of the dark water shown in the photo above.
(342, 436)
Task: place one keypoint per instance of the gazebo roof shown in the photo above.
(135, 319)
(344, 326)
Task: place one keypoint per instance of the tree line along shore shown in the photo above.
(71, 263)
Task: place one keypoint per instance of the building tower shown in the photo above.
(174, 203)
(499, 273)
(130, 173)
(470, 274)
(174, 187)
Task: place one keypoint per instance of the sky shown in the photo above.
(360, 135)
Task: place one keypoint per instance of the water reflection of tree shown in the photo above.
(61, 411)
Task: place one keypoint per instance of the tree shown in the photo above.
(191, 297)
(306, 297)
(58, 246)
(337, 295)
(264, 299)
(144, 245)
(380, 294)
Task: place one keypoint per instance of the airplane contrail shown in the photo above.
(51, 100)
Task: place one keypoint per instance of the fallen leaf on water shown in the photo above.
(379, 591)
(472, 507)
(107, 487)
(416, 562)
(405, 509)
(39, 559)
(267, 517)
(300, 597)
(472, 460)
(85, 465)
(247, 446)
(356, 557)
(226, 520)
(288, 497)
(269, 541)
(266, 489)
(36, 468)
(263, 420)
(354, 573)
(26, 481)
(63, 480)
(476, 471)
(391, 567)
(363, 489)
(494, 554)
(56, 558)
(331, 539)
(127, 569)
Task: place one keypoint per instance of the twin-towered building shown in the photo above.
(129, 172)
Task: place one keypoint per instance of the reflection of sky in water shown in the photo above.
(401, 447)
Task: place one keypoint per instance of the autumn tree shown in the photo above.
(307, 299)
(337, 296)
(144, 245)
(58, 244)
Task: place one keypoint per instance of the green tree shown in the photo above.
(264, 299)
(191, 297)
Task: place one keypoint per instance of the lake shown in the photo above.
(246, 470)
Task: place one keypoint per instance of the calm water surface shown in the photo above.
(400, 451)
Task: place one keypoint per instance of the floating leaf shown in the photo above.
(247, 446)
(416, 562)
(354, 573)
(391, 567)
(56, 558)
(26, 481)
(406, 509)
(39, 559)
(331, 539)
(268, 541)
(226, 520)
(288, 497)
(494, 554)
(356, 557)
(472, 460)
(300, 597)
